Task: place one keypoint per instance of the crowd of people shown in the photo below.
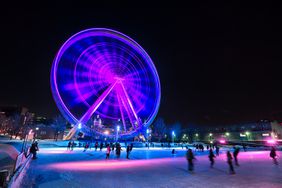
(229, 156)
(111, 148)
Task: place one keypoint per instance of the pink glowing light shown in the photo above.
(222, 141)
(109, 165)
(271, 141)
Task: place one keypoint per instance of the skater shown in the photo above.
(96, 146)
(108, 151)
(101, 146)
(230, 163)
(118, 150)
(113, 147)
(33, 149)
(173, 151)
(128, 149)
(217, 150)
(131, 147)
(86, 147)
(211, 157)
(72, 145)
(244, 147)
(235, 155)
(190, 157)
(273, 155)
(208, 147)
(69, 145)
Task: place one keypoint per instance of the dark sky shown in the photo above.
(218, 63)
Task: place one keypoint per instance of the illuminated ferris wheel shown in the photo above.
(103, 73)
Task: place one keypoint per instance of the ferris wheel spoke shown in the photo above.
(123, 100)
(121, 112)
(130, 104)
(96, 105)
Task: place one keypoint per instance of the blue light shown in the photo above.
(118, 128)
(173, 134)
(79, 126)
(147, 131)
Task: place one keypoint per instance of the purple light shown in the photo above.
(103, 72)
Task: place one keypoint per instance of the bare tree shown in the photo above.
(59, 125)
(159, 129)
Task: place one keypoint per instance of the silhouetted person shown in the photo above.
(128, 149)
(108, 151)
(118, 150)
(113, 147)
(273, 155)
(211, 157)
(217, 150)
(69, 145)
(235, 154)
(72, 145)
(86, 147)
(173, 151)
(131, 147)
(101, 146)
(33, 149)
(96, 146)
(208, 147)
(230, 163)
(190, 157)
(244, 147)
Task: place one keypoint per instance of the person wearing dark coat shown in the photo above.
(190, 157)
(273, 155)
(34, 149)
(211, 157)
(128, 149)
(230, 163)
(235, 155)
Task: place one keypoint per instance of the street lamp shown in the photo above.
(173, 135)
(147, 133)
(210, 136)
(118, 129)
(247, 133)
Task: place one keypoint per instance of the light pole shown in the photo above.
(210, 136)
(173, 135)
(118, 129)
(247, 133)
(147, 133)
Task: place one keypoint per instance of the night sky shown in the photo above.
(218, 63)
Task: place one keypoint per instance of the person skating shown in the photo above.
(96, 146)
(34, 149)
(211, 157)
(235, 155)
(230, 163)
(273, 155)
(128, 149)
(101, 146)
(217, 150)
(190, 158)
(72, 145)
(69, 145)
(108, 151)
(118, 150)
(86, 147)
(131, 147)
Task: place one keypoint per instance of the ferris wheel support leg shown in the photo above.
(121, 112)
(131, 106)
(128, 112)
(71, 134)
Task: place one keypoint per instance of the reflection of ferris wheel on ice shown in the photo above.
(101, 72)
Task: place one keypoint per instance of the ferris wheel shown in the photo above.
(103, 73)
